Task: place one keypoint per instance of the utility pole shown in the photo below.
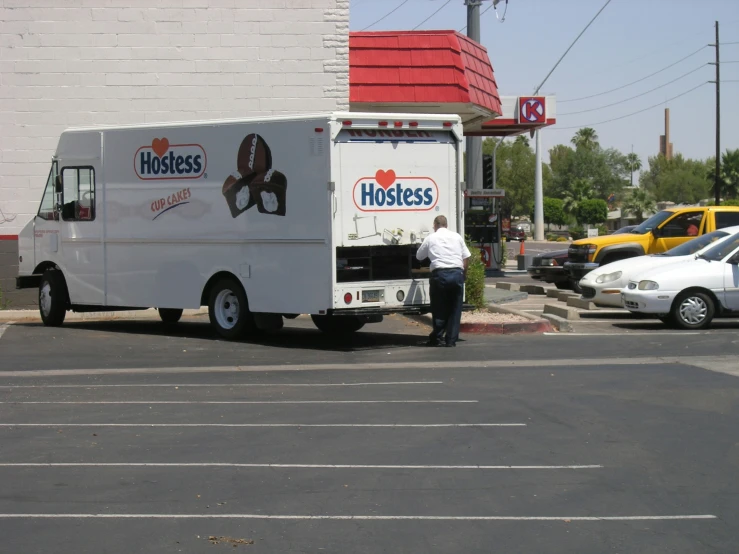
(717, 179)
(631, 163)
(474, 144)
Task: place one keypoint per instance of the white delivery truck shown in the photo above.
(258, 219)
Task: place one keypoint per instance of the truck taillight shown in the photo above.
(447, 124)
(398, 123)
(347, 123)
(413, 124)
(382, 123)
(348, 298)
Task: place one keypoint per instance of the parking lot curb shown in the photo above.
(534, 325)
(561, 324)
(151, 314)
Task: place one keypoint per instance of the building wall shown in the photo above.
(90, 62)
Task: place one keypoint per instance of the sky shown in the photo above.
(631, 39)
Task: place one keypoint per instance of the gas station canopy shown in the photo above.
(438, 72)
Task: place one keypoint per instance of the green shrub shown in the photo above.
(578, 232)
(475, 281)
(561, 239)
(602, 230)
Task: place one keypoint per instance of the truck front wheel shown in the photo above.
(52, 298)
(228, 309)
(337, 325)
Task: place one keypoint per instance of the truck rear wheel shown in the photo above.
(337, 325)
(228, 309)
(52, 298)
(170, 315)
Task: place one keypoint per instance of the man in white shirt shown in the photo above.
(449, 257)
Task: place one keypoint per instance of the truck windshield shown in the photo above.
(720, 251)
(652, 223)
(692, 246)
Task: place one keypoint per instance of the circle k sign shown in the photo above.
(532, 109)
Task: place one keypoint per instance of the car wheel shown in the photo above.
(52, 298)
(693, 310)
(337, 325)
(575, 284)
(563, 285)
(170, 315)
(228, 309)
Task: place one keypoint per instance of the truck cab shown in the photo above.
(661, 232)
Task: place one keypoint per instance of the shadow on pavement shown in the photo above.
(290, 337)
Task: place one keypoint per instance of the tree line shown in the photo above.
(583, 180)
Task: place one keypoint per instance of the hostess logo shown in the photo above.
(385, 192)
(162, 160)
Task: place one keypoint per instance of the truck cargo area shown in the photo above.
(379, 263)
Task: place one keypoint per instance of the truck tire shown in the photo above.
(170, 315)
(693, 310)
(228, 309)
(52, 298)
(337, 325)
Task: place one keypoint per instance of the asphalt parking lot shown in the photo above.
(129, 437)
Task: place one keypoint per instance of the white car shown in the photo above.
(603, 285)
(690, 293)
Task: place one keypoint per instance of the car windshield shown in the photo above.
(652, 223)
(720, 251)
(692, 246)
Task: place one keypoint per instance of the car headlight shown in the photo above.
(608, 277)
(648, 285)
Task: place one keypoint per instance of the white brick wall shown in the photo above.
(90, 62)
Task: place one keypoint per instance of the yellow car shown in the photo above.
(661, 232)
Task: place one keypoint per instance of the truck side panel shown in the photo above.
(251, 199)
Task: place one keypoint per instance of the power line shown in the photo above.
(633, 113)
(433, 14)
(391, 12)
(638, 95)
(634, 82)
(645, 56)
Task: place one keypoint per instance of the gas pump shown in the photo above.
(482, 222)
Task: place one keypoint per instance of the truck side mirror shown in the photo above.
(657, 232)
(58, 184)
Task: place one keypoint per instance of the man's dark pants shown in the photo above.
(447, 292)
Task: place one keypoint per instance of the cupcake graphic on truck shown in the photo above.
(255, 182)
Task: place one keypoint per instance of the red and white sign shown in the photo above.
(532, 110)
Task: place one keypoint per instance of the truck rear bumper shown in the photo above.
(27, 281)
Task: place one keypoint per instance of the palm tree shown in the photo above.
(586, 138)
(634, 164)
(730, 173)
(579, 190)
(638, 203)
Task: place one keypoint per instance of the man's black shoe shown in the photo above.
(432, 343)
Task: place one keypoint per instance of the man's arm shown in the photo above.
(423, 250)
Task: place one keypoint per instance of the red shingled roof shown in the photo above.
(420, 67)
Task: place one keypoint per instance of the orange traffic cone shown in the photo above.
(522, 250)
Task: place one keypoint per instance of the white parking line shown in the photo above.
(262, 425)
(176, 385)
(251, 402)
(293, 466)
(359, 517)
(4, 327)
(622, 333)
